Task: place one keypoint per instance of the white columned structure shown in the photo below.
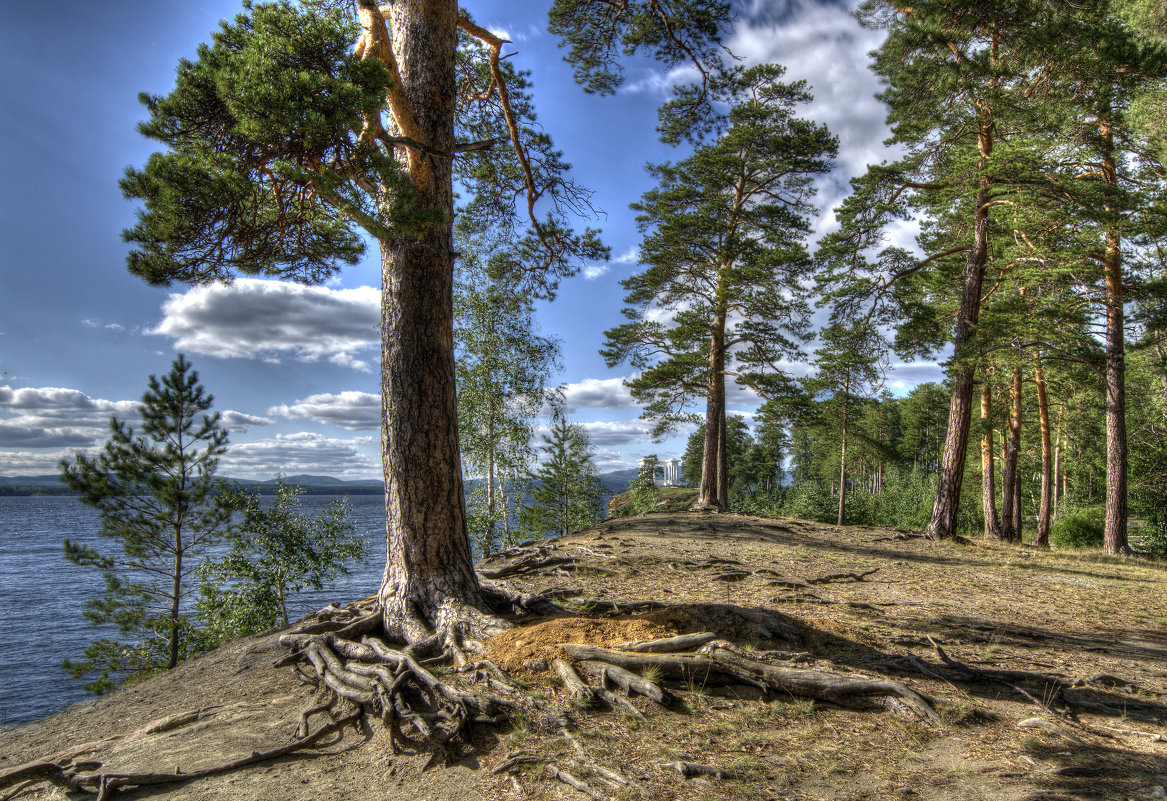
(670, 470)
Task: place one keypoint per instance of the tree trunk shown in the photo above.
(1010, 495)
(1057, 466)
(714, 482)
(1043, 514)
(488, 542)
(988, 482)
(951, 468)
(429, 583)
(175, 600)
(843, 460)
(1115, 540)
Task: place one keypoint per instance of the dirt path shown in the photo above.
(861, 601)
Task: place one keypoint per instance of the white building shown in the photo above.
(667, 472)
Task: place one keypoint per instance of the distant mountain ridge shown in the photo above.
(615, 481)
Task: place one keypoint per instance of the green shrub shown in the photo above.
(1079, 528)
(810, 500)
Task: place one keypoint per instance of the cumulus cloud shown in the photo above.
(630, 256)
(56, 417)
(594, 271)
(596, 393)
(626, 432)
(273, 320)
(240, 422)
(303, 452)
(355, 411)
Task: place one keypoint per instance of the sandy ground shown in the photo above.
(861, 601)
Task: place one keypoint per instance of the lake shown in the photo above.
(42, 595)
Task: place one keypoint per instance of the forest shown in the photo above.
(1032, 149)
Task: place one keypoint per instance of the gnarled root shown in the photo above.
(721, 666)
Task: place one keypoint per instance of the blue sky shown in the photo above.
(293, 368)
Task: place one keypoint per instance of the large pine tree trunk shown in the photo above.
(1043, 513)
(714, 481)
(1010, 496)
(429, 583)
(951, 469)
(843, 461)
(1115, 540)
(988, 482)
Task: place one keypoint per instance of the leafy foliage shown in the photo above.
(275, 553)
(156, 495)
(502, 369)
(1078, 528)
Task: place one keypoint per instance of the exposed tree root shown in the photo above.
(688, 769)
(721, 666)
(87, 776)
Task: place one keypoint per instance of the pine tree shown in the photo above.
(156, 496)
(958, 83)
(724, 236)
(849, 366)
(302, 129)
(565, 489)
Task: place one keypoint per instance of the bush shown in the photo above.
(1079, 528)
(810, 500)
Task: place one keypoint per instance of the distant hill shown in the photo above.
(614, 483)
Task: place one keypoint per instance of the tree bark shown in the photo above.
(1115, 539)
(714, 482)
(843, 458)
(988, 482)
(1043, 513)
(429, 581)
(951, 469)
(1010, 495)
(1057, 467)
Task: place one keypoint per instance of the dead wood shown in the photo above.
(572, 781)
(629, 682)
(582, 695)
(721, 667)
(86, 776)
(515, 759)
(684, 642)
(1052, 728)
(688, 769)
(842, 577)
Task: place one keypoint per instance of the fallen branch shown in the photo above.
(685, 642)
(572, 781)
(842, 577)
(688, 769)
(1052, 728)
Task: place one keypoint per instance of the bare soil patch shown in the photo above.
(996, 635)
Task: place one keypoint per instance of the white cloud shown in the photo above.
(594, 271)
(625, 432)
(355, 411)
(56, 417)
(272, 320)
(238, 422)
(630, 256)
(305, 452)
(596, 393)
